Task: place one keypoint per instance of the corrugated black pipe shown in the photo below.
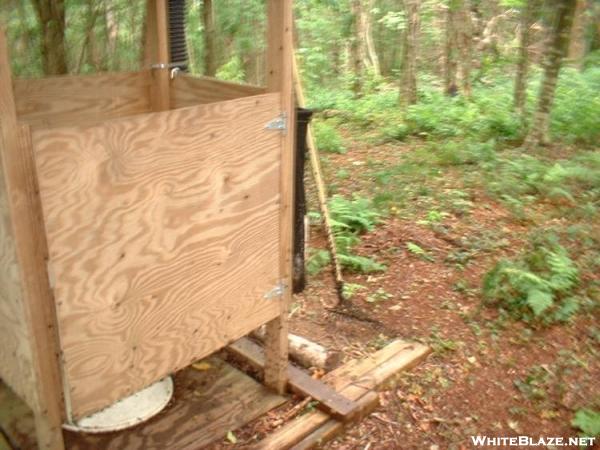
(177, 43)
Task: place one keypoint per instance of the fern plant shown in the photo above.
(349, 219)
(537, 286)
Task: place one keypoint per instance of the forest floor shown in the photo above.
(489, 374)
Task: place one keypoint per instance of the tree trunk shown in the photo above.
(408, 85)
(577, 46)
(557, 49)
(465, 44)
(51, 16)
(371, 52)
(112, 34)
(357, 46)
(450, 52)
(208, 17)
(526, 21)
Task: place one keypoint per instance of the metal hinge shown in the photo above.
(279, 123)
(277, 291)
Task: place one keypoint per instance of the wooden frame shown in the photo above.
(35, 361)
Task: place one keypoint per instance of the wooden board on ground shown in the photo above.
(207, 403)
(355, 381)
(163, 232)
(81, 100)
(188, 90)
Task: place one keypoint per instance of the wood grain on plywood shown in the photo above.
(163, 233)
(188, 90)
(81, 100)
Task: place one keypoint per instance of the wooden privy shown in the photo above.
(146, 222)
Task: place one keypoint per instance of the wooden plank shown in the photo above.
(188, 90)
(156, 53)
(37, 302)
(293, 432)
(206, 405)
(300, 382)
(163, 236)
(368, 403)
(81, 100)
(279, 79)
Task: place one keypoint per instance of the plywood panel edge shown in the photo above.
(36, 305)
(81, 99)
(189, 90)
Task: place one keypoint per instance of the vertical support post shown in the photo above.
(156, 53)
(26, 221)
(279, 79)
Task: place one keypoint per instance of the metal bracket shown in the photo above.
(166, 65)
(277, 291)
(278, 124)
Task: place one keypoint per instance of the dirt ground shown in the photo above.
(487, 375)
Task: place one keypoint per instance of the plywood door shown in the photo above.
(163, 233)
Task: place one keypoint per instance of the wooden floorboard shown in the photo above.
(207, 404)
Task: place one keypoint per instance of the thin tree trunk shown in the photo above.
(370, 46)
(557, 49)
(408, 85)
(450, 52)
(577, 46)
(526, 21)
(92, 12)
(465, 44)
(357, 46)
(112, 34)
(51, 16)
(208, 17)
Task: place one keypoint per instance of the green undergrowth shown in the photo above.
(350, 218)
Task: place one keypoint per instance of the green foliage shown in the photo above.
(417, 250)
(349, 290)
(317, 259)
(349, 219)
(328, 138)
(521, 179)
(232, 70)
(588, 421)
(576, 112)
(537, 286)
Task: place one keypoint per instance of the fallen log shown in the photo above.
(307, 353)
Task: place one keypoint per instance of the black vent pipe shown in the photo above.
(177, 43)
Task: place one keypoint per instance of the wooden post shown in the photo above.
(279, 79)
(26, 221)
(156, 53)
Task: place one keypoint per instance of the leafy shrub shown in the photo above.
(536, 286)
(328, 138)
